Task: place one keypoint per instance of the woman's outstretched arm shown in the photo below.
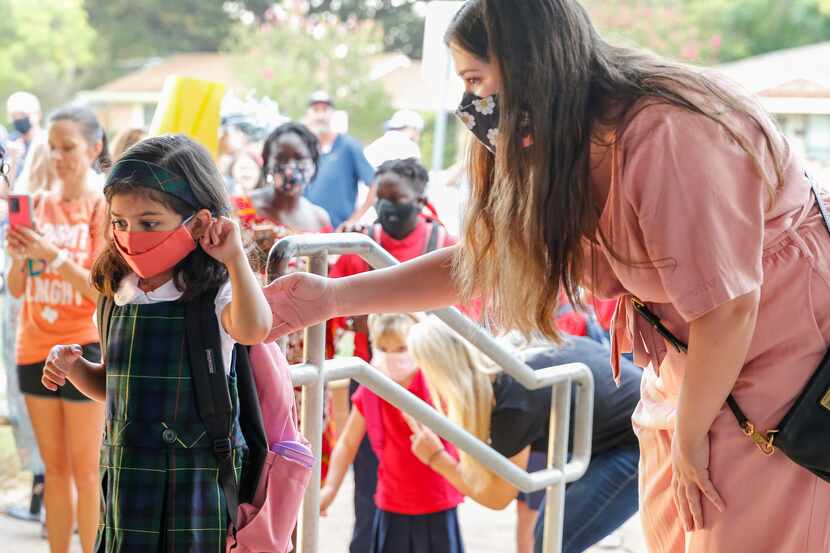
(300, 299)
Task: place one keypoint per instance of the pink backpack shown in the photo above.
(266, 523)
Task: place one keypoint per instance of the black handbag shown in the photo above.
(803, 434)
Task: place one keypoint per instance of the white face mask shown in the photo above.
(397, 366)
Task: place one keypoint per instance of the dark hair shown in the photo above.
(410, 170)
(125, 139)
(178, 154)
(532, 207)
(270, 146)
(91, 129)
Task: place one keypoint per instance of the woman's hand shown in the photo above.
(353, 226)
(15, 247)
(691, 482)
(29, 244)
(327, 495)
(222, 240)
(426, 445)
(59, 365)
(299, 300)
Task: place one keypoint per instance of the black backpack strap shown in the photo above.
(250, 421)
(103, 313)
(434, 235)
(210, 384)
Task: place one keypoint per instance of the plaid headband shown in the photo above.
(153, 176)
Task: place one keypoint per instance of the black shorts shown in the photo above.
(29, 377)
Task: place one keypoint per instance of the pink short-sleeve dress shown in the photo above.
(692, 226)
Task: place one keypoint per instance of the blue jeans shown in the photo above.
(599, 502)
(365, 468)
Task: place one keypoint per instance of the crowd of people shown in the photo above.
(302, 178)
(596, 171)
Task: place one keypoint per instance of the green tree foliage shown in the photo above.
(293, 53)
(403, 28)
(664, 26)
(130, 29)
(46, 44)
(713, 31)
(753, 27)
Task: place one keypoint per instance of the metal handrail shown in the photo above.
(316, 372)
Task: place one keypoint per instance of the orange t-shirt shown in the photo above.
(53, 311)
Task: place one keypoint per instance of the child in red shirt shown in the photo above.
(401, 229)
(416, 507)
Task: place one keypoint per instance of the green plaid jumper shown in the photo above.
(160, 484)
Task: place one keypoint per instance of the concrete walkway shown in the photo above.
(484, 531)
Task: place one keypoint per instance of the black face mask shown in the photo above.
(397, 219)
(22, 125)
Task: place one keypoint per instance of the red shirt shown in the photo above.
(410, 247)
(406, 486)
(574, 323)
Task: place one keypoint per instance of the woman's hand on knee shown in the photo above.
(691, 481)
(59, 365)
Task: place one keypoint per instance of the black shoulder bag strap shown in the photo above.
(103, 313)
(210, 384)
(763, 440)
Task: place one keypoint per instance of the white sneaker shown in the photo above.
(614, 541)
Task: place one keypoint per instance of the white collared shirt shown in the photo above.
(130, 294)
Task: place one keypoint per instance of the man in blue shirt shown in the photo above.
(342, 166)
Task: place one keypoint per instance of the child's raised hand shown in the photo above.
(327, 495)
(426, 445)
(59, 364)
(222, 240)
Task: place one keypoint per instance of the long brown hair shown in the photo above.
(531, 209)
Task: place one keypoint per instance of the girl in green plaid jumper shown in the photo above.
(170, 243)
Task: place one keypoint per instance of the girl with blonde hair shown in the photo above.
(515, 422)
(416, 507)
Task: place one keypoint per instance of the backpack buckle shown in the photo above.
(222, 447)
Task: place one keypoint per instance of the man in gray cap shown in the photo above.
(341, 169)
(400, 141)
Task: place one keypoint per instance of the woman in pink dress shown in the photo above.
(630, 175)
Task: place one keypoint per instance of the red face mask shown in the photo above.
(152, 253)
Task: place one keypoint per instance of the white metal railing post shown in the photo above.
(557, 459)
(312, 421)
(316, 372)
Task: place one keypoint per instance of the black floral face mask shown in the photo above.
(296, 175)
(481, 116)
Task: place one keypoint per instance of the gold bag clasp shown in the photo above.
(763, 441)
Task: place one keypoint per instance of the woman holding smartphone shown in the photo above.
(50, 270)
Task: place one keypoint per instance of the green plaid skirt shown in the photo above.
(160, 480)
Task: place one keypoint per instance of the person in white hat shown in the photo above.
(400, 141)
(23, 109)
